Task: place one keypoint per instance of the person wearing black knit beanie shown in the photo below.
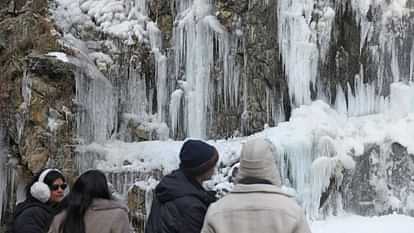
(180, 201)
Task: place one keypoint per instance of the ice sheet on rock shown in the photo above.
(315, 145)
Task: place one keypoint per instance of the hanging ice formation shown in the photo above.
(3, 170)
(197, 34)
(304, 42)
(385, 38)
(305, 28)
(298, 48)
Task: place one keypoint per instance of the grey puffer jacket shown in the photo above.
(103, 216)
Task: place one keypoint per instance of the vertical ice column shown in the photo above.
(175, 108)
(194, 54)
(27, 95)
(155, 37)
(298, 48)
(340, 101)
(133, 95)
(412, 63)
(95, 97)
(191, 34)
(141, 6)
(3, 169)
(231, 69)
(195, 33)
(295, 160)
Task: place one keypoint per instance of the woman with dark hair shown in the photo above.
(90, 208)
(43, 196)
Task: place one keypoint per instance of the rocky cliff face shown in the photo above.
(381, 182)
(36, 96)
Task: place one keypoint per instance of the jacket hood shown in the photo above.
(177, 184)
(259, 188)
(257, 160)
(105, 204)
(29, 204)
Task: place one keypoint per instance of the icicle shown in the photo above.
(195, 33)
(412, 64)
(162, 91)
(322, 170)
(364, 101)
(395, 69)
(299, 154)
(94, 94)
(155, 36)
(340, 101)
(27, 96)
(299, 52)
(175, 110)
(3, 170)
(141, 6)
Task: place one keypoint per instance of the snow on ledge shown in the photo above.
(59, 55)
(310, 125)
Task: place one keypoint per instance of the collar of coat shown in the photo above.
(258, 188)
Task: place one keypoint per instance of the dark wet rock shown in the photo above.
(382, 181)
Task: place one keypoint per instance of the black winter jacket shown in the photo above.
(179, 206)
(32, 216)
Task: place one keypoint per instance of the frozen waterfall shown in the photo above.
(327, 131)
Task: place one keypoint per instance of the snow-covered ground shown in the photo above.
(359, 224)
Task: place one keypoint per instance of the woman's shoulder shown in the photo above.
(108, 204)
(33, 208)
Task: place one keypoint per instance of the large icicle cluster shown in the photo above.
(384, 31)
(196, 33)
(200, 44)
(305, 28)
(298, 48)
(317, 144)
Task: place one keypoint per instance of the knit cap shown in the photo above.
(197, 157)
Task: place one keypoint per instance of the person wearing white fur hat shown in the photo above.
(256, 203)
(43, 196)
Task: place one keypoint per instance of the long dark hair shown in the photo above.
(49, 179)
(90, 185)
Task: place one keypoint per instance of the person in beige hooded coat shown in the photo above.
(256, 203)
(90, 208)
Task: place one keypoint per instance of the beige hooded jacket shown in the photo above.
(103, 216)
(256, 208)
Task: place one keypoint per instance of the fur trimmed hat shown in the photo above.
(197, 157)
(257, 161)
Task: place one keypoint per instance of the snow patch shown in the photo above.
(59, 56)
